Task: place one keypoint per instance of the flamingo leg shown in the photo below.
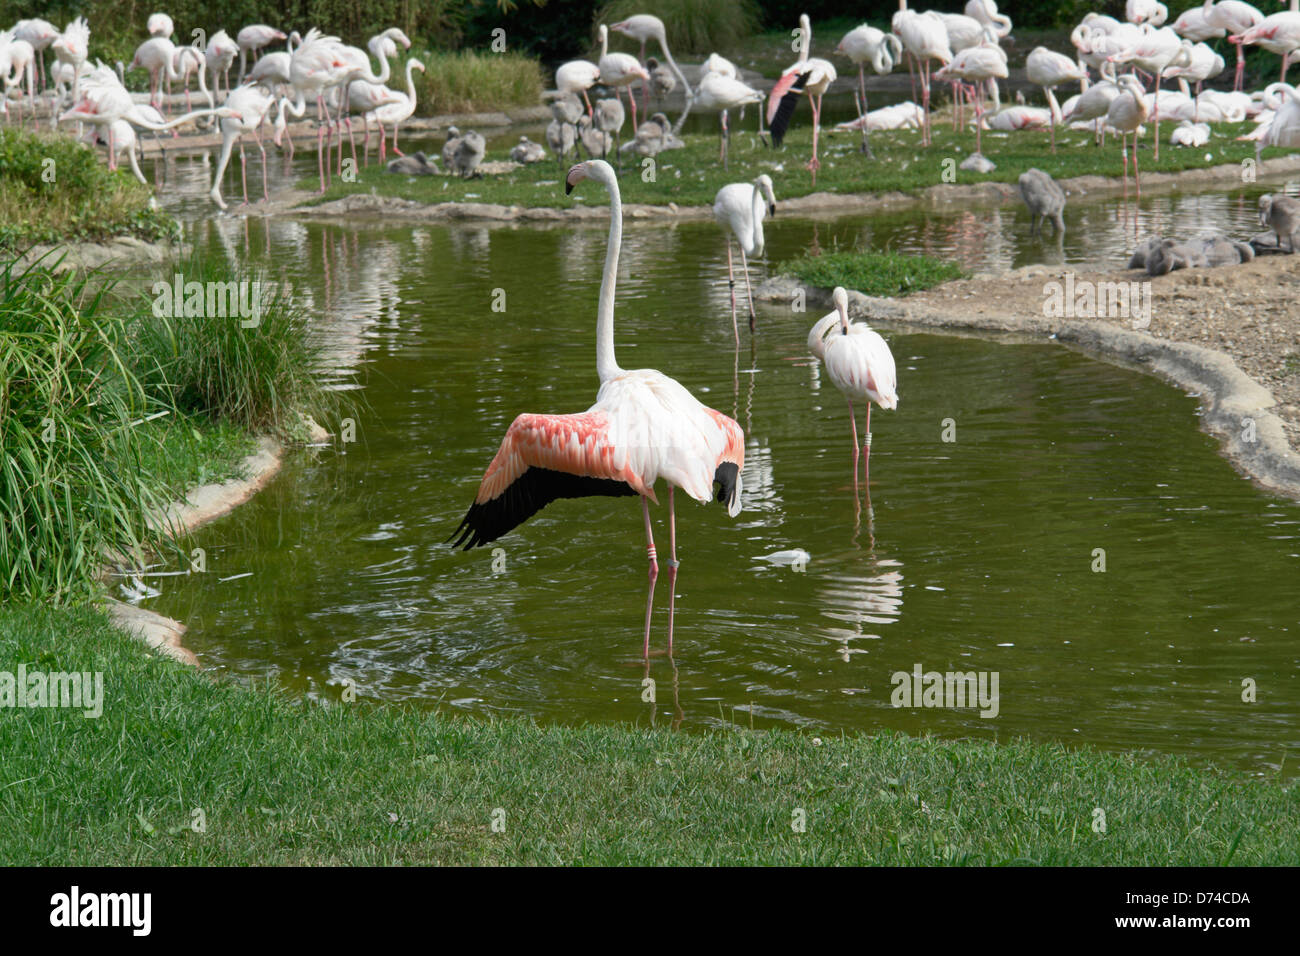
(853, 423)
(814, 164)
(243, 168)
(672, 567)
(1241, 68)
(749, 293)
(731, 284)
(862, 111)
(722, 145)
(266, 190)
(1155, 117)
(654, 575)
(396, 126)
(866, 449)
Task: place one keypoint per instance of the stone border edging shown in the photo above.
(368, 204)
(201, 505)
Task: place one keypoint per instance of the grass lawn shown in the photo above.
(293, 782)
(693, 175)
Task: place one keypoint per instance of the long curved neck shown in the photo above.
(604, 42)
(756, 213)
(606, 365)
(410, 81)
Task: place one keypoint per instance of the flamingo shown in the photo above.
(1231, 17)
(160, 25)
(1048, 69)
(17, 62)
(924, 38)
(1156, 52)
(976, 65)
(739, 209)
(644, 426)
(1202, 65)
(122, 138)
(251, 39)
(1092, 105)
(577, 76)
(248, 106)
(725, 93)
(40, 34)
(1145, 11)
(399, 108)
(220, 54)
(1278, 33)
(157, 55)
(860, 364)
(963, 33)
(808, 75)
(645, 27)
(619, 70)
(71, 49)
(986, 12)
(1128, 111)
(865, 44)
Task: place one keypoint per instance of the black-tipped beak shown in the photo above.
(771, 209)
(568, 187)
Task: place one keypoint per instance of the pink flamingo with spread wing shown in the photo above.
(808, 75)
(643, 427)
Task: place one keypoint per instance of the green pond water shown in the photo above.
(976, 555)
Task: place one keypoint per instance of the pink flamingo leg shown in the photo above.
(654, 575)
(749, 293)
(814, 164)
(266, 191)
(243, 168)
(672, 567)
(731, 283)
(866, 450)
(396, 126)
(853, 423)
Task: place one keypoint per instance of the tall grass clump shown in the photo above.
(467, 80)
(69, 494)
(693, 26)
(54, 189)
(872, 273)
(260, 373)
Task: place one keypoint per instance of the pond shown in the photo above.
(976, 554)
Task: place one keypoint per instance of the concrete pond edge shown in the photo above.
(201, 505)
(1234, 407)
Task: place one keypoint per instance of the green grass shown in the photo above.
(693, 175)
(872, 273)
(469, 81)
(259, 373)
(54, 189)
(311, 783)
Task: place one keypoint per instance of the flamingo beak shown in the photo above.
(577, 173)
(771, 209)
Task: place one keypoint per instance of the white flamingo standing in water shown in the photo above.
(808, 75)
(739, 209)
(860, 364)
(643, 427)
(1127, 113)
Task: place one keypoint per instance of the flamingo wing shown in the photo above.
(544, 458)
(782, 102)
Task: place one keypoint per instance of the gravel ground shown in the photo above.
(1249, 311)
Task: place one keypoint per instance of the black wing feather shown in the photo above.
(781, 121)
(524, 497)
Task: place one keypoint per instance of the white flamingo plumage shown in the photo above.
(925, 38)
(986, 12)
(724, 93)
(859, 363)
(644, 426)
(809, 76)
(1155, 52)
(1127, 113)
(251, 39)
(619, 71)
(1228, 17)
(739, 209)
(1048, 69)
(644, 27)
(577, 76)
(1278, 33)
(396, 108)
(160, 25)
(976, 65)
(862, 45)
